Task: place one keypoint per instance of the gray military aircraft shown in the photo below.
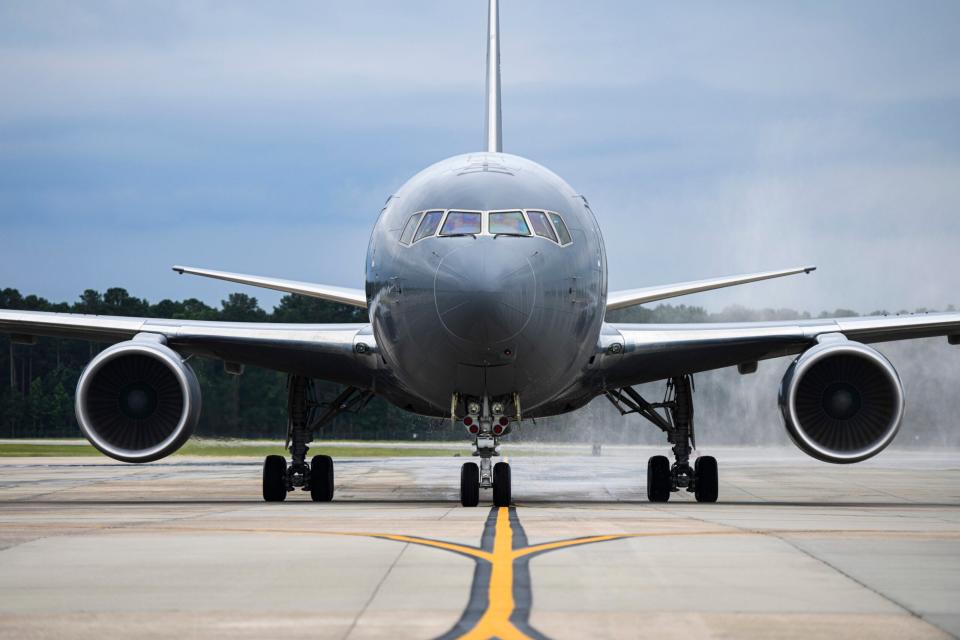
(486, 287)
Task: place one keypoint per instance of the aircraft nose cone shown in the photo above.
(485, 294)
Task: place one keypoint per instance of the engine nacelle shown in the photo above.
(842, 401)
(137, 401)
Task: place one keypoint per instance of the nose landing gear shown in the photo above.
(662, 477)
(487, 430)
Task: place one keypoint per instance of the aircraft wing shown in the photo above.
(344, 295)
(325, 351)
(630, 297)
(649, 352)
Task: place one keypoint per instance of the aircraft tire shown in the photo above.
(658, 479)
(501, 484)
(321, 479)
(469, 484)
(275, 479)
(706, 477)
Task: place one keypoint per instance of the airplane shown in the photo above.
(486, 292)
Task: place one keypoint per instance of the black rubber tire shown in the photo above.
(275, 479)
(706, 477)
(501, 484)
(658, 479)
(469, 484)
(321, 479)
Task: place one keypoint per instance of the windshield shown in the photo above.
(461, 222)
(431, 220)
(541, 226)
(561, 228)
(541, 223)
(410, 227)
(510, 222)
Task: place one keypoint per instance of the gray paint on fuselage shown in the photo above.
(484, 315)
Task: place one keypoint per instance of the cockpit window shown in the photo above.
(561, 228)
(410, 228)
(528, 222)
(461, 222)
(541, 226)
(508, 222)
(431, 220)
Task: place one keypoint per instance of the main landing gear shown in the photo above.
(662, 477)
(306, 415)
(486, 423)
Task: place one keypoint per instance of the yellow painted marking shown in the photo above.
(562, 544)
(439, 544)
(495, 622)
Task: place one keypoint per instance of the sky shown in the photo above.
(710, 138)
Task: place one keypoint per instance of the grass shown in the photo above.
(28, 450)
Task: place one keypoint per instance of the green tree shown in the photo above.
(117, 301)
(239, 307)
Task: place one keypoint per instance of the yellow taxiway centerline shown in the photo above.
(500, 606)
(495, 622)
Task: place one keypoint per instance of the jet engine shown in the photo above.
(842, 401)
(138, 401)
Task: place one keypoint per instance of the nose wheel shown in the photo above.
(487, 423)
(501, 484)
(470, 484)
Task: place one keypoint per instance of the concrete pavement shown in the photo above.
(794, 548)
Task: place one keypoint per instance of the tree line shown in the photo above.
(37, 382)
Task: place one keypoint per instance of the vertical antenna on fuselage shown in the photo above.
(494, 135)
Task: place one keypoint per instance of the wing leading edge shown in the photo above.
(651, 352)
(324, 351)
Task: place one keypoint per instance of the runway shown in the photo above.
(794, 549)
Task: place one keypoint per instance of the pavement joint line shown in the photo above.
(373, 594)
(862, 584)
(474, 552)
(781, 536)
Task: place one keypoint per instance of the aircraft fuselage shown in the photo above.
(485, 314)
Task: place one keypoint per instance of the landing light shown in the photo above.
(498, 407)
(473, 408)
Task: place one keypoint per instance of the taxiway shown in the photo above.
(794, 549)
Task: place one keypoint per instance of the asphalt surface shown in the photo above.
(794, 549)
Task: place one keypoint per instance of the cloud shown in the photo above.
(710, 139)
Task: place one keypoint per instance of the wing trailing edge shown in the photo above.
(630, 297)
(343, 295)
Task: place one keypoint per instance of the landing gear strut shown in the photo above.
(305, 416)
(487, 429)
(662, 477)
